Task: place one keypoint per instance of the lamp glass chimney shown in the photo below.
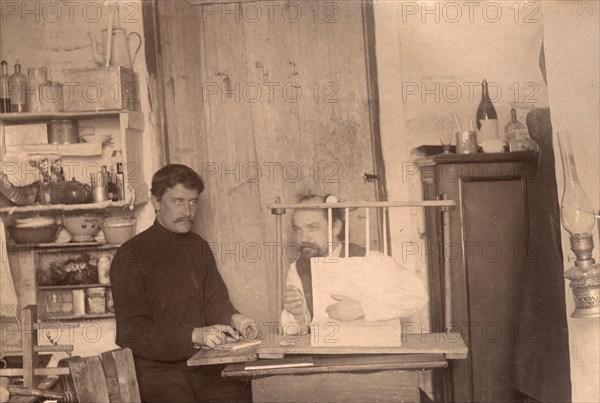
(576, 211)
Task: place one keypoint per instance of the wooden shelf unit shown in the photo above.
(125, 129)
(34, 258)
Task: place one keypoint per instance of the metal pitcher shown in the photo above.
(119, 50)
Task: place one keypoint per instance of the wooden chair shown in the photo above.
(108, 378)
(30, 350)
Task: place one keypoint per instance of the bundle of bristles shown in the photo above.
(7, 390)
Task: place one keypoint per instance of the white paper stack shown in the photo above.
(378, 283)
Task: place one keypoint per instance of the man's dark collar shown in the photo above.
(172, 235)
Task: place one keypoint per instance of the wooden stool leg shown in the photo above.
(29, 338)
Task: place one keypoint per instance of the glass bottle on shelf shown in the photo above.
(18, 90)
(515, 130)
(487, 119)
(4, 85)
(105, 175)
(120, 179)
(111, 187)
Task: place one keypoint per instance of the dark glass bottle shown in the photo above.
(113, 194)
(120, 180)
(487, 119)
(4, 94)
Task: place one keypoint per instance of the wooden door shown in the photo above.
(266, 100)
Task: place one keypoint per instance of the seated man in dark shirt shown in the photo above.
(170, 298)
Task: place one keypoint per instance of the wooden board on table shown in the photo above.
(379, 362)
(292, 361)
(451, 345)
(215, 356)
(238, 345)
(336, 363)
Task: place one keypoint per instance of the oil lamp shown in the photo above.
(578, 218)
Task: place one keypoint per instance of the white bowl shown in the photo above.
(83, 227)
(33, 235)
(492, 146)
(118, 230)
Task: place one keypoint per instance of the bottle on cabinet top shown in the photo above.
(515, 130)
(487, 119)
(18, 90)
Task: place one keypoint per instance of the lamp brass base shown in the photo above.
(586, 291)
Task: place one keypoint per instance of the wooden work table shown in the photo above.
(338, 373)
(341, 378)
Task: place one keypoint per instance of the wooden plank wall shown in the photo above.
(295, 120)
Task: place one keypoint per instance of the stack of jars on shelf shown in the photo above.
(78, 286)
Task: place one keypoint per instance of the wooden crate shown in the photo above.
(100, 88)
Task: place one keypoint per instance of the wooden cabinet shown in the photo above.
(483, 247)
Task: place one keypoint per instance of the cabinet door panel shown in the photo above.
(495, 220)
(486, 245)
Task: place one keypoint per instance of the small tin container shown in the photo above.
(99, 193)
(63, 131)
(466, 142)
(96, 299)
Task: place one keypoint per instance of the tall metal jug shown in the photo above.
(119, 55)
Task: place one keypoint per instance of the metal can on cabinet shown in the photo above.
(466, 142)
